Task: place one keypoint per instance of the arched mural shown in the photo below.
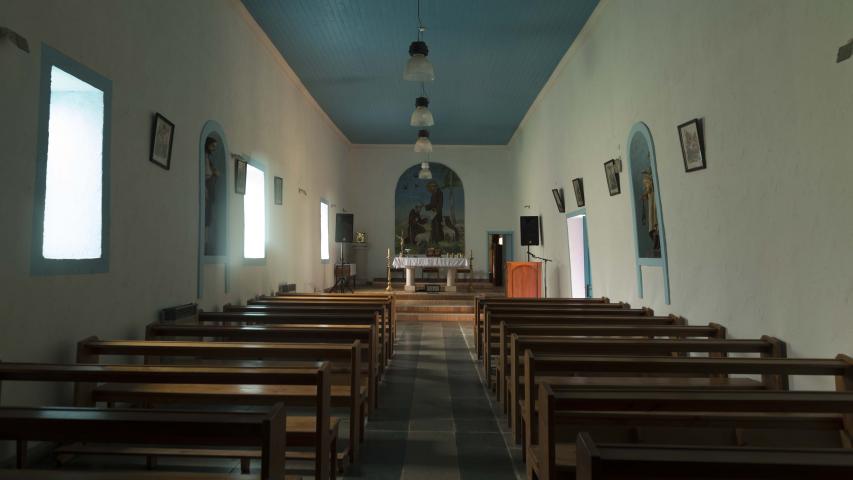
(429, 213)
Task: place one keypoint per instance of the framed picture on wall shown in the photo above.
(612, 175)
(577, 183)
(240, 176)
(692, 145)
(559, 199)
(162, 135)
(278, 188)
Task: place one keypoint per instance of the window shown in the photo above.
(324, 231)
(70, 224)
(254, 214)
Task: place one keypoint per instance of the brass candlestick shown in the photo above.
(388, 266)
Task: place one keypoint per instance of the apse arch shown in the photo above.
(429, 213)
(213, 200)
(649, 232)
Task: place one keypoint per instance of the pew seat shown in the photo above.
(124, 475)
(611, 461)
(256, 430)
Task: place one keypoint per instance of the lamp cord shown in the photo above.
(420, 25)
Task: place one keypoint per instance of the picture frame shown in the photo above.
(278, 190)
(692, 145)
(240, 166)
(559, 199)
(611, 174)
(577, 183)
(162, 137)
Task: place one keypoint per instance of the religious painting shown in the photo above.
(278, 188)
(577, 183)
(240, 166)
(429, 213)
(612, 176)
(559, 199)
(692, 145)
(162, 135)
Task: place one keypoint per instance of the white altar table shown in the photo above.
(449, 263)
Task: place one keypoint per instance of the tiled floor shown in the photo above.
(436, 420)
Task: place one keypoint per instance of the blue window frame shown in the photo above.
(71, 204)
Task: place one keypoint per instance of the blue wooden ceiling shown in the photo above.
(491, 58)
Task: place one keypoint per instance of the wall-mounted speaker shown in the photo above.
(343, 228)
(529, 230)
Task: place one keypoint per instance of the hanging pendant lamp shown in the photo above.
(422, 117)
(423, 145)
(425, 173)
(418, 68)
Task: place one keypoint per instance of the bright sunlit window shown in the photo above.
(254, 214)
(71, 214)
(324, 231)
(73, 180)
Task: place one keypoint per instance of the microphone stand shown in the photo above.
(545, 260)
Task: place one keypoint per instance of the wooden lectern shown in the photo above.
(523, 279)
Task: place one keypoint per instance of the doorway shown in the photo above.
(579, 271)
(500, 252)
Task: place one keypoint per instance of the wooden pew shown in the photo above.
(319, 431)
(351, 394)
(123, 475)
(624, 461)
(272, 314)
(386, 302)
(670, 373)
(769, 419)
(506, 329)
(574, 318)
(265, 431)
(493, 315)
(480, 302)
(514, 388)
(366, 334)
(483, 306)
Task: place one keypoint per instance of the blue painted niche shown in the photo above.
(213, 225)
(649, 243)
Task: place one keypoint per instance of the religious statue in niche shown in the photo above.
(650, 213)
(211, 175)
(430, 212)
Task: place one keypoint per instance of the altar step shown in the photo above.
(423, 307)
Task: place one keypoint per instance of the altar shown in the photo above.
(451, 264)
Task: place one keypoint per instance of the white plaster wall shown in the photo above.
(193, 61)
(486, 174)
(760, 241)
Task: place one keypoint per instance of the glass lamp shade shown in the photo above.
(425, 173)
(422, 117)
(423, 145)
(418, 68)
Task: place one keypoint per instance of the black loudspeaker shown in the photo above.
(343, 228)
(530, 230)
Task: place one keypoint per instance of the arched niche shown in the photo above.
(213, 200)
(429, 213)
(649, 231)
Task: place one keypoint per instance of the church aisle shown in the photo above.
(435, 421)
